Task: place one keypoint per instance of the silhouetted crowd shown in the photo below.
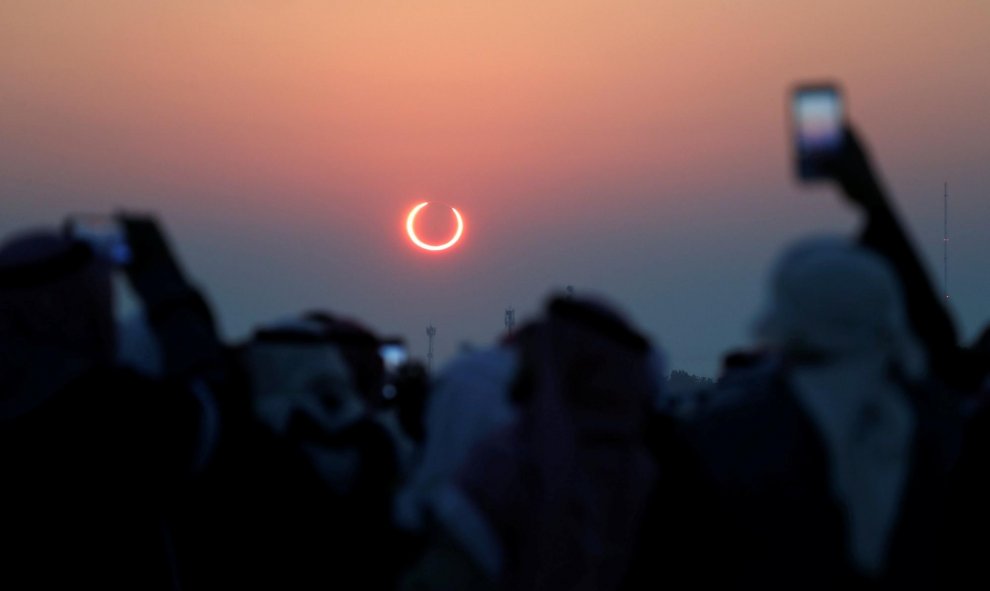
(846, 448)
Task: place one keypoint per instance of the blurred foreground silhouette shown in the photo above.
(846, 448)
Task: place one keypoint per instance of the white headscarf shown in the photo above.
(839, 307)
(469, 400)
(311, 378)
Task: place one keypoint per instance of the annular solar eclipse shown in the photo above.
(411, 229)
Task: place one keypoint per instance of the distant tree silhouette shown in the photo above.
(682, 382)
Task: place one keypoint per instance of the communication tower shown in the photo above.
(945, 242)
(510, 319)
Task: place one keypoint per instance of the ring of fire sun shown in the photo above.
(411, 229)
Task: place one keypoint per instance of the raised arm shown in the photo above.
(177, 312)
(884, 234)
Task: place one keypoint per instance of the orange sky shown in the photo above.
(573, 135)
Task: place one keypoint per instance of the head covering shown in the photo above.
(56, 316)
(555, 499)
(829, 298)
(837, 311)
(359, 347)
(295, 368)
(468, 401)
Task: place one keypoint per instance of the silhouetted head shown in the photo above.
(357, 346)
(55, 293)
(360, 349)
(576, 451)
(56, 317)
(601, 363)
(831, 300)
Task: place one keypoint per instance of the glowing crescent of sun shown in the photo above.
(411, 230)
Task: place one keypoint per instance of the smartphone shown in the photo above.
(394, 355)
(104, 233)
(819, 128)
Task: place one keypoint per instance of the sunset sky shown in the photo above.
(634, 150)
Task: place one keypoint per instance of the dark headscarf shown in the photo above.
(56, 317)
(564, 489)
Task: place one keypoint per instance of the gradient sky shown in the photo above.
(635, 150)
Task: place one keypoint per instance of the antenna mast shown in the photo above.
(430, 332)
(945, 243)
(510, 319)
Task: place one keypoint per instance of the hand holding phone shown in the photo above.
(826, 146)
(153, 272)
(105, 235)
(818, 117)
